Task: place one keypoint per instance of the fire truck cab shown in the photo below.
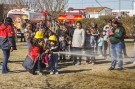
(71, 16)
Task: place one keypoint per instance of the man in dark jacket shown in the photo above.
(116, 37)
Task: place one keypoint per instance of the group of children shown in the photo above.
(41, 53)
(42, 46)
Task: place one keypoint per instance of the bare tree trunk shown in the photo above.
(54, 7)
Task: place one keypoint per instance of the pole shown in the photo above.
(133, 12)
(119, 8)
(82, 3)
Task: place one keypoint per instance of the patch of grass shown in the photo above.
(71, 77)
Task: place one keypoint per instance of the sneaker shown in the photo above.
(40, 73)
(87, 62)
(111, 68)
(78, 63)
(74, 62)
(120, 68)
(56, 72)
(51, 72)
(93, 63)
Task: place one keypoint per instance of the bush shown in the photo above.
(101, 22)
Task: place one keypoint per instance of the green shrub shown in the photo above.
(101, 22)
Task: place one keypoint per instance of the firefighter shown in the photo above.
(34, 58)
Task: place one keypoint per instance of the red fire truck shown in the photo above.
(72, 16)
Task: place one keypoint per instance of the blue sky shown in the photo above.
(113, 4)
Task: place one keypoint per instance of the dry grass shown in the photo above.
(70, 77)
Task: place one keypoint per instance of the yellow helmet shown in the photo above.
(39, 34)
(52, 38)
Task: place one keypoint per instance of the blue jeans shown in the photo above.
(6, 53)
(116, 52)
(53, 62)
(28, 44)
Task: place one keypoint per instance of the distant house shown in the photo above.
(123, 12)
(95, 12)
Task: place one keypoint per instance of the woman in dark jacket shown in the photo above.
(7, 41)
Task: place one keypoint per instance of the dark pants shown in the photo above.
(62, 57)
(77, 51)
(6, 53)
(92, 53)
(105, 48)
(53, 62)
(38, 66)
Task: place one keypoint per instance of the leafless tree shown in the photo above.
(54, 7)
(15, 3)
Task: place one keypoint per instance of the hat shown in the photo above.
(39, 34)
(52, 38)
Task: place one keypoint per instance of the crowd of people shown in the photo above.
(44, 44)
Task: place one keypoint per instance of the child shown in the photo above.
(89, 45)
(28, 33)
(100, 45)
(53, 58)
(63, 46)
(33, 60)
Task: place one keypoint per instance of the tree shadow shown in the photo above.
(73, 71)
(67, 71)
(16, 62)
(18, 71)
(127, 63)
(65, 64)
(102, 62)
(131, 67)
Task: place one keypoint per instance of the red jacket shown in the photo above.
(6, 30)
(34, 52)
(7, 37)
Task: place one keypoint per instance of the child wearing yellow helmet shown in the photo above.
(52, 38)
(53, 58)
(39, 34)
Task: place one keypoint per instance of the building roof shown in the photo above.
(95, 9)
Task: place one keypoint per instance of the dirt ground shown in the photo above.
(85, 76)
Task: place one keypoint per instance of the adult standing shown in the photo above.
(124, 46)
(78, 41)
(7, 42)
(116, 37)
(107, 28)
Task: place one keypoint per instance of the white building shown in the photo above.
(123, 12)
(130, 12)
(95, 12)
